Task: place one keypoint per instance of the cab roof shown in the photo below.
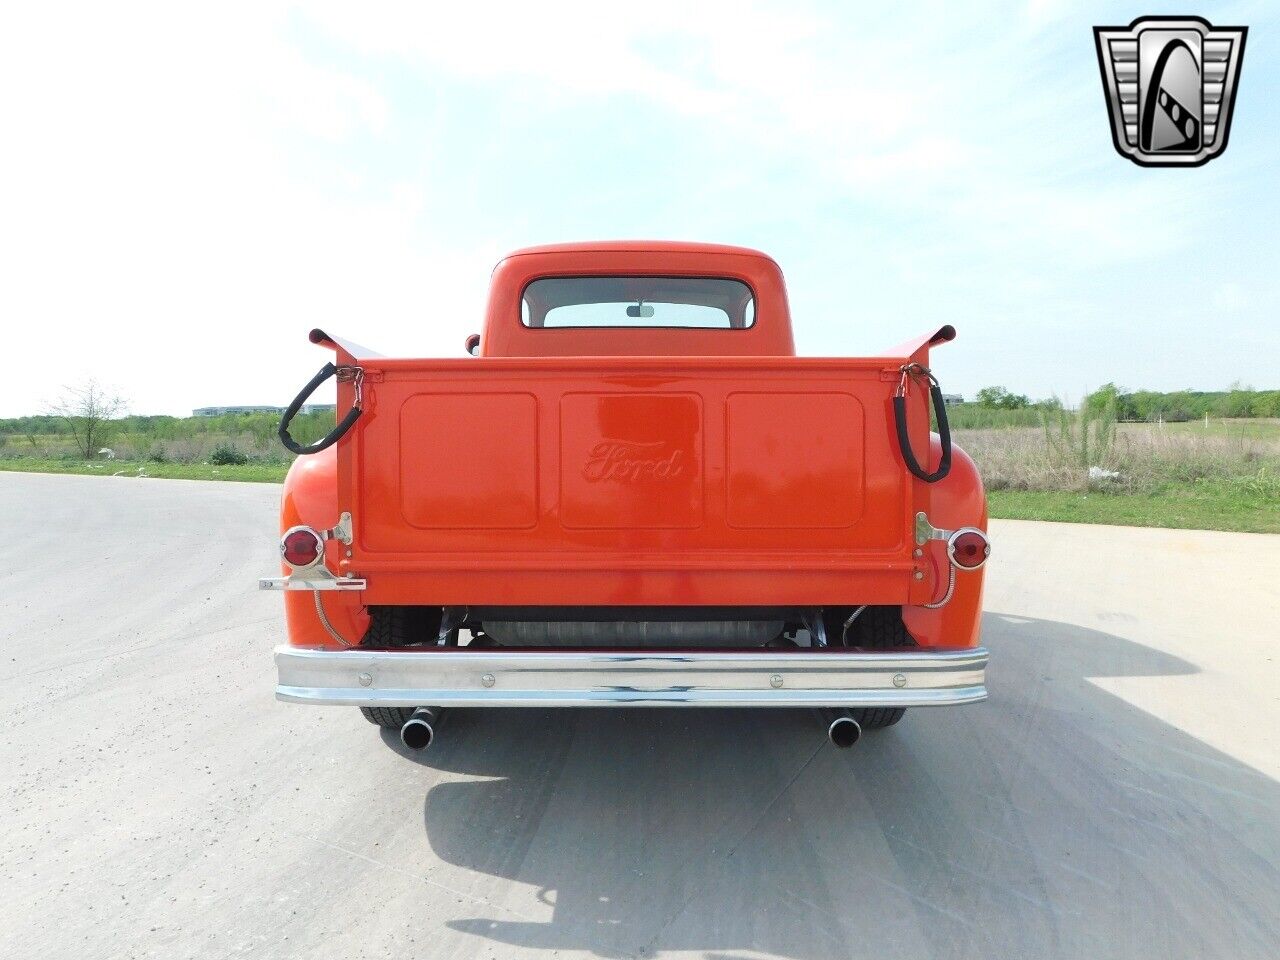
(642, 246)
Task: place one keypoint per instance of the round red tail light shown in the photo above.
(301, 547)
(969, 548)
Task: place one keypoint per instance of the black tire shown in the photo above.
(879, 628)
(397, 627)
(388, 718)
(876, 718)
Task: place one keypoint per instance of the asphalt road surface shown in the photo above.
(1116, 797)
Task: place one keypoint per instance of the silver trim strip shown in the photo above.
(563, 678)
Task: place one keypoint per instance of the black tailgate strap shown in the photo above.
(337, 433)
(910, 370)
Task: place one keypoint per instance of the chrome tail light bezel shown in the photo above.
(954, 538)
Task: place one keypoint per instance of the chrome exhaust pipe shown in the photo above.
(844, 731)
(419, 730)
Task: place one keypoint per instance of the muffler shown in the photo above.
(420, 729)
(844, 731)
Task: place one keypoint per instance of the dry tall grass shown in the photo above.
(1148, 457)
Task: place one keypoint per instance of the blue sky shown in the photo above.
(192, 192)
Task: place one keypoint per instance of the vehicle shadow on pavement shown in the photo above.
(1054, 820)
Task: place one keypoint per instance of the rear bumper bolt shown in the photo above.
(899, 680)
(365, 679)
(775, 681)
(488, 680)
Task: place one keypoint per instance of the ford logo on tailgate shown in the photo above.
(627, 460)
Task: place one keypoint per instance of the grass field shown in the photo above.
(1221, 476)
(1206, 506)
(249, 472)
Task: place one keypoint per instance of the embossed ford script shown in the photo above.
(629, 460)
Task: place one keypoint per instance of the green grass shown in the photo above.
(1203, 505)
(249, 472)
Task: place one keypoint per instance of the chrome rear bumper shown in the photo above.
(575, 678)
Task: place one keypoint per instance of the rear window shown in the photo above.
(679, 302)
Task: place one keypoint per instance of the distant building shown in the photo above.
(223, 411)
(951, 399)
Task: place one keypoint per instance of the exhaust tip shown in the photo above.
(844, 732)
(418, 731)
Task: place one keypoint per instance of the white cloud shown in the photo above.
(318, 102)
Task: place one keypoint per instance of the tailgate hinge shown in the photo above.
(926, 531)
(341, 530)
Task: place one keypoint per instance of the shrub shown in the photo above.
(226, 455)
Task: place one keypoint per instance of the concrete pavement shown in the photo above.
(1116, 797)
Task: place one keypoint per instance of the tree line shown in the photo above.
(1236, 402)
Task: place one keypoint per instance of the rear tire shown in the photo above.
(876, 718)
(398, 627)
(388, 718)
(879, 628)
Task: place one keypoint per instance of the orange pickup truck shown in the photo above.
(632, 493)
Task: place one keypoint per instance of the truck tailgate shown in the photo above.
(631, 481)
